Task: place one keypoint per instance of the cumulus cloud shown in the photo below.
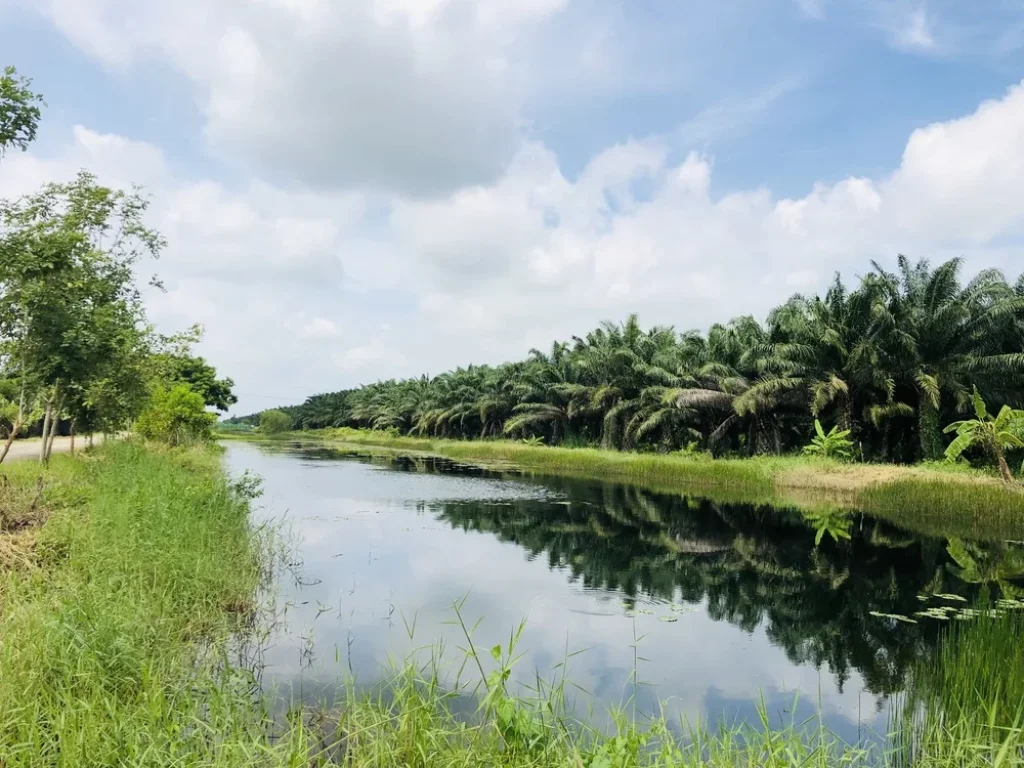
(305, 288)
(415, 97)
(537, 252)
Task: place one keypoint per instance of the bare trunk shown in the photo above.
(46, 430)
(72, 438)
(15, 428)
(1004, 468)
(90, 439)
(54, 424)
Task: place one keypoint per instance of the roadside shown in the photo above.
(29, 449)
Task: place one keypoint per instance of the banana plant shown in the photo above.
(994, 434)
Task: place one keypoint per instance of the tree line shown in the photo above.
(893, 360)
(76, 350)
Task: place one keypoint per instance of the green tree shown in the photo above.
(994, 434)
(71, 315)
(19, 111)
(177, 417)
(274, 422)
(935, 339)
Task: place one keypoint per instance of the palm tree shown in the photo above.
(995, 434)
(932, 337)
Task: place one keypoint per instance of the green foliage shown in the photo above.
(72, 327)
(534, 440)
(176, 417)
(149, 552)
(19, 111)
(887, 362)
(995, 434)
(835, 444)
(274, 422)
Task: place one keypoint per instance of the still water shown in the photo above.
(713, 606)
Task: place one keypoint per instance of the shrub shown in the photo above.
(176, 417)
(836, 444)
(274, 422)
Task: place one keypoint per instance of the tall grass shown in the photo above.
(146, 559)
(965, 702)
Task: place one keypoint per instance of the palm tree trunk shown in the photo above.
(1004, 468)
(928, 426)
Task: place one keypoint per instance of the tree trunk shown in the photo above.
(1004, 468)
(72, 438)
(928, 426)
(46, 430)
(15, 428)
(54, 424)
(90, 439)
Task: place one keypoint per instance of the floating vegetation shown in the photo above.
(949, 596)
(668, 619)
(894, 616)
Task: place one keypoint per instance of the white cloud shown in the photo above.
(916, 32)
(418, 97)
(813, 8)
(494, 262)
(319, 328)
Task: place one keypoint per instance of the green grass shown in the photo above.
(936, 508)
(965, 704)
(146, 560)
(119, 617)
(932, 499)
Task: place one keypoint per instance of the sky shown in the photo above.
(354, 190)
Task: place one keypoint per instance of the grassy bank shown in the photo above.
(937, 498)
(119, 593)
(127, 574)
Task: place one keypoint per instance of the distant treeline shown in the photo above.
(894, 360)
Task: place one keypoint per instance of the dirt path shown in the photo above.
(29, 449)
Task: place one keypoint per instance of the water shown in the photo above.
(712, 606)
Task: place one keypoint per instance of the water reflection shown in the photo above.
(725, 602)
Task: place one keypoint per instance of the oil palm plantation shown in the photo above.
(892, 360)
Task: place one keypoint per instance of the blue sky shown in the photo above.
(382, 187)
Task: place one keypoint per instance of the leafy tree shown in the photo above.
(71, 317)
(994, 434)
(834, 444)
(19, 111)
(274, 422)
(177, 417)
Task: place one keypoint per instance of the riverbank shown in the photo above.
(133, 578)
(937, 499)
(126, 572)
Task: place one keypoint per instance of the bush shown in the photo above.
(275, 422)
(835, 444)
(176, 417)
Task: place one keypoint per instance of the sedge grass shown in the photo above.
(965, 701)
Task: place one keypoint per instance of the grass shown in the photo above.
(965, 704)
(139, 580)
(114, 621)
(934, 498)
